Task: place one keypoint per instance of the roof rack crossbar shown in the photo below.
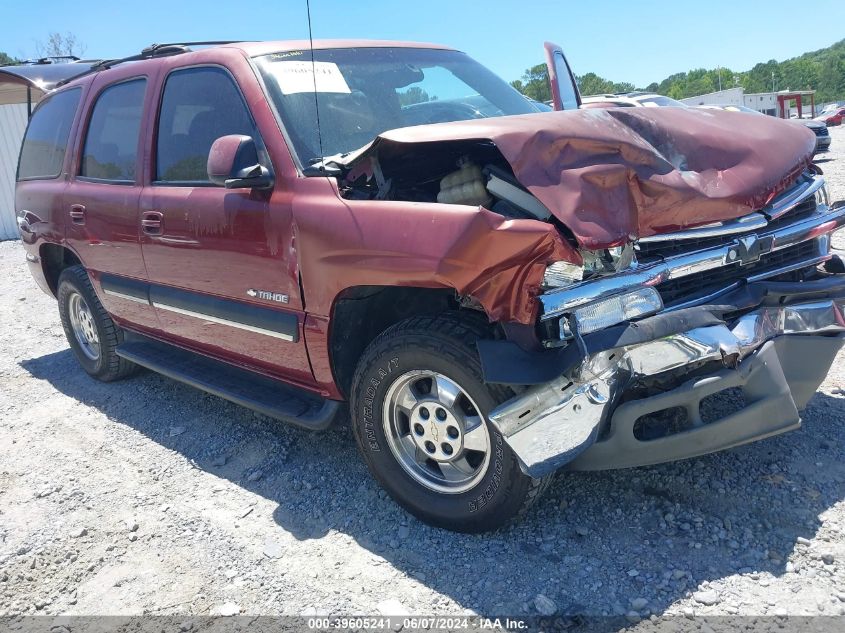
(154, 50)
(42, 61)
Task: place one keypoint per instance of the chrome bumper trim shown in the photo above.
(751, 222)
(549, 425)
(819, 225)
(788, 200)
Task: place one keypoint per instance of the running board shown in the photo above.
(246, 388)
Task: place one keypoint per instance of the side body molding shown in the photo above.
(236, 314)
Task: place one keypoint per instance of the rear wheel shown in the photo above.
(90, 331)
(420, 410)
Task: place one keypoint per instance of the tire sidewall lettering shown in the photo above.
(370, 393)
(481, 500)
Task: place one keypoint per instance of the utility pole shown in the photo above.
(773, 81)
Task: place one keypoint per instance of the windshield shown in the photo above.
(363, 92)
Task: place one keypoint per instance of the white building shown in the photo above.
(731, 96)
(21, 87)
(14, 114)
(765, 102)
(13, 120)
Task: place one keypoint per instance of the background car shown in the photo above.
(832, 117)
(819, 128)
(630, 100)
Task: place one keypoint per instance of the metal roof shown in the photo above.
(36, 79)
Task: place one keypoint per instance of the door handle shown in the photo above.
(152, 222)
(77, 213)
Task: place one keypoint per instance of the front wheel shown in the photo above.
(420, 408)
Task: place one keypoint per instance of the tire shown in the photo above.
(84, 319)
(459, 490)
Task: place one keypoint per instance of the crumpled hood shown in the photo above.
(617, 174)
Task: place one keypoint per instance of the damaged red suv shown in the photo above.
(496, 292)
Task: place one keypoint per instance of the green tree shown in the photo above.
(6, 60)
(822, 70)
(535, 83)
(413, 95)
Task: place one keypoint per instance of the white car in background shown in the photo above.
(630, 100)
(819, 128)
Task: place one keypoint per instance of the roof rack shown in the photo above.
(154, 50)
(49, 59)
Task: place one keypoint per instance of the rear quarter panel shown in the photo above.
(39, 206)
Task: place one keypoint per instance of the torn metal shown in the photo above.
(577, 418)
(609, 176)
(768, 323)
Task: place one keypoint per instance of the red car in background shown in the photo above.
(832, 117)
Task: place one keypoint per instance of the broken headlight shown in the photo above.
(822, 197)
(562, 274)
(596, 264)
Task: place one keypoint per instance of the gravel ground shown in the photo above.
(149, 497)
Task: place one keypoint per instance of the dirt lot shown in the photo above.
(146, 496)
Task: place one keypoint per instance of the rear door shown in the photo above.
(101, 201)
(41, 176)
(565, 95)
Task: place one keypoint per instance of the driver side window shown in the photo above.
(199, 105)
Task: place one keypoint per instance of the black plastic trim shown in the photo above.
(236, 312)
(505, 362)
(115, 284)
(270, 397)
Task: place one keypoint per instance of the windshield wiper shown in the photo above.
(325, 166)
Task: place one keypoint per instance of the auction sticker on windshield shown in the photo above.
(305, 76)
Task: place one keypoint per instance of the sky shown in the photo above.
(622, 40)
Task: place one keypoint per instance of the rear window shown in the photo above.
(45, 142)
(111, 143)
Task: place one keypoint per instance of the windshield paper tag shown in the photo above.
(298, 76)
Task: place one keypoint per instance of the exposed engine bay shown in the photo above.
(476, 174)
(473, 174)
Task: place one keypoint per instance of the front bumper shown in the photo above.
(595, 415)
(822, 143)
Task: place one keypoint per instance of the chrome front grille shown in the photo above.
(687, 289)
(650, 250)
(697, 265)
(791, 208)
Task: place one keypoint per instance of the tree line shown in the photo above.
(822, 70)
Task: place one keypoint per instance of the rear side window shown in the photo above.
(111, 143)
(45, 143)
(199, 105)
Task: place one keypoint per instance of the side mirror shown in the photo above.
(233, 163)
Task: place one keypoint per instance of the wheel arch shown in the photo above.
(360, 313)
(54, 259)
